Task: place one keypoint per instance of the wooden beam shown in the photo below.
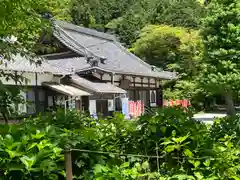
(36, 94)
(134, 81)
(141, 81)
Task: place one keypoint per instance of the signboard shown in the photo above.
(110, 105)
(93, 108)
(153, 100)
(125, 108)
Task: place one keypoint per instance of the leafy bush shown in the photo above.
(168, 144)
(27, 152)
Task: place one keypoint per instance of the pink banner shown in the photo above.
(178, 102)
(136, 109)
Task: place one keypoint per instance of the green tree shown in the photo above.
(176, 49)
(22, 24)
(186, 13)
(168, 47)
(221, 32)
(127, 18)
(177, 13)
(96, 13)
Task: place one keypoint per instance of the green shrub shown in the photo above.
(115, 148)
(27, 152)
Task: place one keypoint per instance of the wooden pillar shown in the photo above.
(141, 81)
(114, 100)
(134, 81)
(16, 83)
(46, 99)
(36, 94)
(159, 96)
(134, 90)
(112, 78)
(68, 164)
(149, 83)
(85, 103)
(156, 84)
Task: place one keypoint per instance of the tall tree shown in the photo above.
(21, 25)
(98, 13)
(177, 49)
(221, 35)
(168, 47)
(185, 13)
(126, 18)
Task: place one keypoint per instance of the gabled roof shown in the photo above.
(86, 41)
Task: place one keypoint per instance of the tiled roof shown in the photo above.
(71, 64)
(84, 41)
(19, 63)
(95, 86)
(119, 59)
(66, 89)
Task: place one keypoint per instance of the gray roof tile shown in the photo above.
(19, 63)
(95, 86)
(70, 64)
(85, 41)
(119, 59)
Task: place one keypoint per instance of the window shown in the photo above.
(153, 98)
(143, 97)
(22, 108)
(31, 106)
(118, 104)
(41, 98)
(130, 95)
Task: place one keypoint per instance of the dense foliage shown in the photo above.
(175, 49)
(221, 32)
(23, 25)
(27, 152)
(168, 144)
(127, 18)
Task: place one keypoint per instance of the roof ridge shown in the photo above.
(132, 55)
(84, 30)
(85, 50)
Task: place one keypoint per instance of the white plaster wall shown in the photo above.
(107, 77)
(152, 80)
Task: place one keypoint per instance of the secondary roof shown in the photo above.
(66, 89)
(96, 87)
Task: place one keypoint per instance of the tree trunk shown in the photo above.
(230, 104)
(5, 118)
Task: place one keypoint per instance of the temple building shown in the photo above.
(90, 71)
